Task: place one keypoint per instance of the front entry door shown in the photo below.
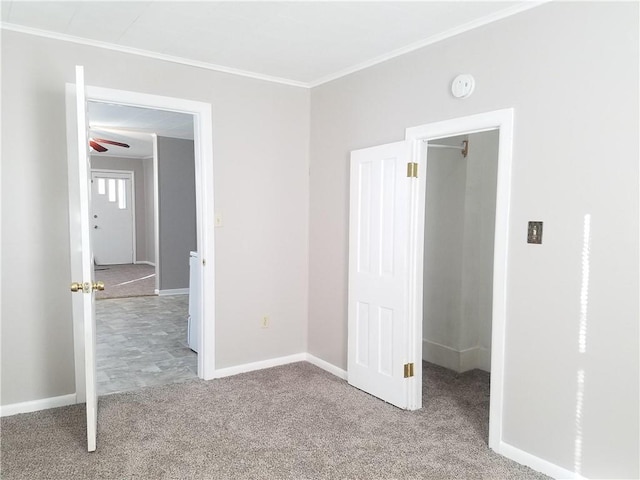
(81, 255)
(112, 218)
(378, 337)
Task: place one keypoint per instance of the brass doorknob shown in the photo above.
(86, 287)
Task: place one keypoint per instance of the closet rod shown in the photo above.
(464, 148)
(435, 145)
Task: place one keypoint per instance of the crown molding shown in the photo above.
(146, 53)
(494, 17)
(507, 12)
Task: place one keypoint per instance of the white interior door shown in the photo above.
(112, 217)
(81, 254)
(378, 340)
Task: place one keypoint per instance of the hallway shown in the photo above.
(142, 341)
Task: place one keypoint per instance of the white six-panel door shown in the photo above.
(378, 271)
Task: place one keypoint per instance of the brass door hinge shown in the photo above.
(408, 370)
(412, 170)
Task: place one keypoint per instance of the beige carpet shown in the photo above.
(127, 280)
(289, 422)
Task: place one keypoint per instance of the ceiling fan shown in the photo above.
(95, 144)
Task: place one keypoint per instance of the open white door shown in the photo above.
(81, 255)
(378, 305)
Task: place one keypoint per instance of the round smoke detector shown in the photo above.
(463, 85)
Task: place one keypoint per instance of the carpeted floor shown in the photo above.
(291, 422)
(129, 280)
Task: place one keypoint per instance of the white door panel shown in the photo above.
(112, 219)
(378, 271)
(81, 254)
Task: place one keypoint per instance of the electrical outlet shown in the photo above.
(265, 322)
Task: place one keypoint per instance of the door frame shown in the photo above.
(203, 149)
(132, 178)
(156, 211)
(501, 120)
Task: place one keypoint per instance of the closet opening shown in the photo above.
(459, 240)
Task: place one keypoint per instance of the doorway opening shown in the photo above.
(202, 171)
(460, 208)
(500, 124)
(143, 174)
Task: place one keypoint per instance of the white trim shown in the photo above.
(479, 22)
(324, 365)
(457, 360)
(475, 357)
(250, 367)
(173, 291)
(146, 53)
(156, 211)
(507, 12)
(442, 355)
(64, 400)
(536, 463)
(203, 147)
(35, 405)
(145, 262)
(501, 120)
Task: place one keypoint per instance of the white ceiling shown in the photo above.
(133, 126)
(299, 42)
(303, 43)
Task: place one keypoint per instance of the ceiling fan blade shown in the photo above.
(97, 147)
(111, 142)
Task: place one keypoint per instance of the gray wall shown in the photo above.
(149, 205)
(177, 209)
(261, 172)
(134, 165)
(570, 70)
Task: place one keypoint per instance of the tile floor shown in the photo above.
(142, 341)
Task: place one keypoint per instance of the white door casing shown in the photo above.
(203, 142)
(502, 120)
(370, 254)
(380, 194)
(80, 242)
(113, 227)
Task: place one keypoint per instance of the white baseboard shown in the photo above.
(457, 360)
(64, 400)
(35, 405)
(250, 367)
(276, 362)
(173, 291)
(442, 355)
(476, 357)
(537, 463)
(329, 367)
(145, 262)
(509, 451)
